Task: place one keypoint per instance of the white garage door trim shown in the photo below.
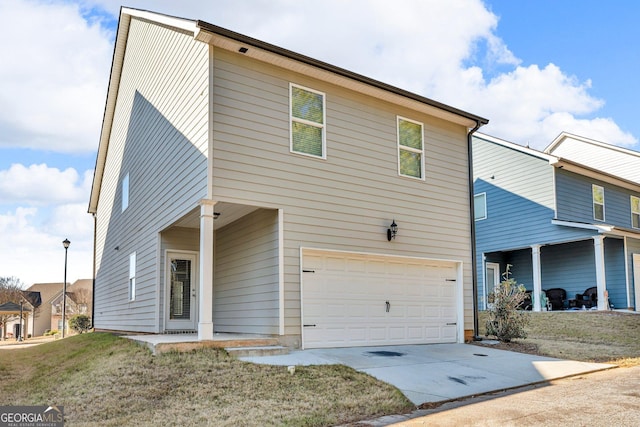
(430, 262)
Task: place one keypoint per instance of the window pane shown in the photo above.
(635, 220)
(306, 105)
(635, 204)
(411, 163)
(480, 207)
(410, 134)
(307, 139)
(598, 194)
(598, 212)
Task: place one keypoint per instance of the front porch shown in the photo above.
(240, 345)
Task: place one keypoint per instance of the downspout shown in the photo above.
(474, 263)
(93, 284)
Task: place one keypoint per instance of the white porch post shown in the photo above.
(601, 281)
(537, 277)
(205, 306)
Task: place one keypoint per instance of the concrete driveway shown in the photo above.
(440, 372)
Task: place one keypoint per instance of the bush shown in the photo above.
(80, 323)
(50, 332)
(505, 321)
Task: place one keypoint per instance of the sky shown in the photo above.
(534, 68)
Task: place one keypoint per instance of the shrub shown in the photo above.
(80, 323)
(505, 321)
(50, 332)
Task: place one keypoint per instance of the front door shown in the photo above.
(181, 273)
(492, 278)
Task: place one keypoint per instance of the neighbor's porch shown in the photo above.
(565, 271)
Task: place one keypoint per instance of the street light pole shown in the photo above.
(66, 244)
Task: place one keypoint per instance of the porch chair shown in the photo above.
(558, 298)
(589, 298)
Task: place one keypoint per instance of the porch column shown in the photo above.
(205, 298)
(537, 277)
(601, 280)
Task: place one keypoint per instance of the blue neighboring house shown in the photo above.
(567, 217)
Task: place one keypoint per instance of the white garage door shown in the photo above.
(363, 300)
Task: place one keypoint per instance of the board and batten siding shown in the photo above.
(159, 137)
(633, 247)
(347, 201)
(246, 286)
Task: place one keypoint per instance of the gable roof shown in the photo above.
(610, 159)
(47, 290)
(262, 51)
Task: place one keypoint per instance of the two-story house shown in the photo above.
(567, 218)
(243, 188)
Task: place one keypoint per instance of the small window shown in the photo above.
(410, 148)
(125, 192)
(307, 122)
(480, 206)
(598, 202)
(635, 212)
(132, 277)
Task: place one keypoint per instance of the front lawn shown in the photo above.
(590, 336)
(103, 380)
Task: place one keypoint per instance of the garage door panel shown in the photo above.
(346, 299)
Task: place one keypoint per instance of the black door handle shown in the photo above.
(388, 306)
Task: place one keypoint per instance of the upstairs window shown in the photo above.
(410, 148)
(480, 206)
(598, 202)
(635, 212)
(125, 192)
(307, 122)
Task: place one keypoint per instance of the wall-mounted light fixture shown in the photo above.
(216, 215)
(243, 50)
(392, 230)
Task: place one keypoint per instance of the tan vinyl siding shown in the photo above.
(159, 137)
(246, 275)
(347, 201)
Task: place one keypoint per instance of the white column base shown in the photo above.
(205, 331)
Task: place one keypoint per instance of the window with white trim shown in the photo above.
(132, 277)
(410, 148)
(598, 202)
(635, 212)
(480, 206)
(307, 121)
(125, 192)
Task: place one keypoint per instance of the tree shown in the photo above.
(10, 291)
(505, 321)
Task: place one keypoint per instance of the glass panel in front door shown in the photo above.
(180, 302)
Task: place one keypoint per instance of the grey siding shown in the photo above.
(581, 274)
(347, 201)
(246, 287)
(159, 138)
(615, 272)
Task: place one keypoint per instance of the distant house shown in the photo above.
(244, 188)
(41, 295)
(567, 218)
(79, 301)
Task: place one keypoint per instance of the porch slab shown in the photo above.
(161, 343)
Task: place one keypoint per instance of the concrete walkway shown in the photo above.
(440, 372)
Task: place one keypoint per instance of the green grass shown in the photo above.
(103, 380)
(592, 336)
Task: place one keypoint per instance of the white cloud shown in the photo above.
(54, 74)
(42, 185)
(35, 254)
